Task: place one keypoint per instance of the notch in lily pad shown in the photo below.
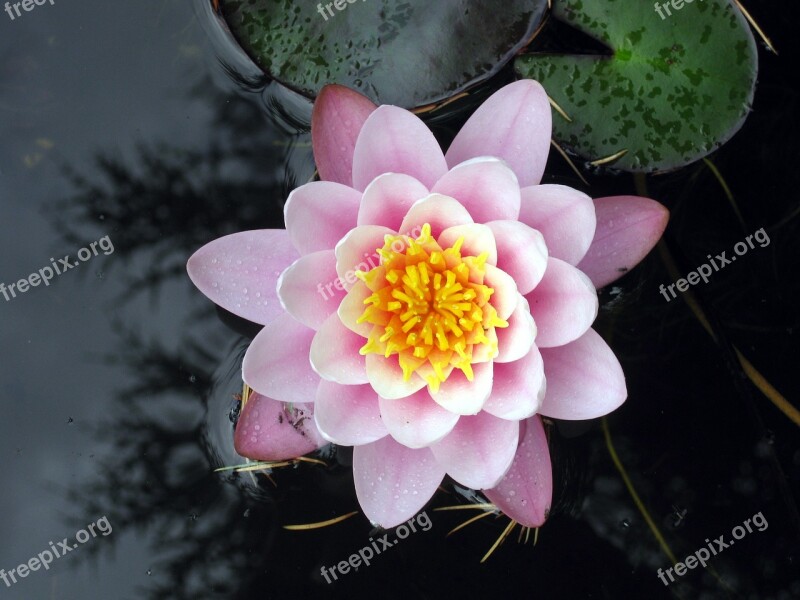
(412, 53)
(672, 91)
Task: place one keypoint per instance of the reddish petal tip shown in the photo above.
(627, 229)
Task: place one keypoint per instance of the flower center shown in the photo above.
(430, 307)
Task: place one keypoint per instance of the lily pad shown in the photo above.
(409, 53)
(673, 90)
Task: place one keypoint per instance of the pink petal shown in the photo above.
(394, 140)
(513, 124)
(584, 379)
(463, 397)
(393, 482)
(358, 251)
(526, 492)
(334, 353)
(515, 341)
(319, 214)
(276, 363)
(486, 186)
(306, 291)
(271, 430)
(439, 211)
(348, 415)
(564, 304)
(352, 307)
(478, 239)
(565, 217)
(239, 272)
(627, 229)
(388, 198)
(521, 252)
(338, 116)
(386, 377)
(518, 388)
(416, 421)
(479, 450)
(505, 297)
(486, 352)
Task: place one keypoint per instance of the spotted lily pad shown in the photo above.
(409, 53)
(672, 91)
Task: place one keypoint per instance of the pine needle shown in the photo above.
(569, 161)
(728, 193)
(559, 110)
(254, 466)
(469, 522)
(484, 506)
(755, 26)
(499, 541)
(632, 491)
(321, 524)
(609, 159)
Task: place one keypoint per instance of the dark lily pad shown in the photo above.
(673, 90)
(409, 53)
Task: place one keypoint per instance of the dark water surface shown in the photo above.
(120, 125)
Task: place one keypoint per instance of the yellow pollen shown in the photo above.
(430, 307)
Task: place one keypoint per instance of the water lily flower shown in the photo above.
(432, 306)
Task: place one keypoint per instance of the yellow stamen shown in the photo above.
(429, 307)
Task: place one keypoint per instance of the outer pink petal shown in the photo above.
(564, 304)
(564, 216)
(348, 415)
(271, 430)
(386, 377)
(302, 291)
(486, 186)
(518, 389)
(479, 451)
(521, 252)
(338, 116)
(627, 229)
(584, 379)
(394, 140)
(439, 211)
(416, 421)
(388, 198)
(526, 492)
(463, 397)
(334, 353)
(319, 213)
(394, 482)
(513, 124)
(239, 272)
(515, 341)
(358, 251)
(276, 363)
(477, 240)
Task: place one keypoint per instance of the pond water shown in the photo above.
(137, 132)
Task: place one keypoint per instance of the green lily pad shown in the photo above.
(673, 90)
(409, 53)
